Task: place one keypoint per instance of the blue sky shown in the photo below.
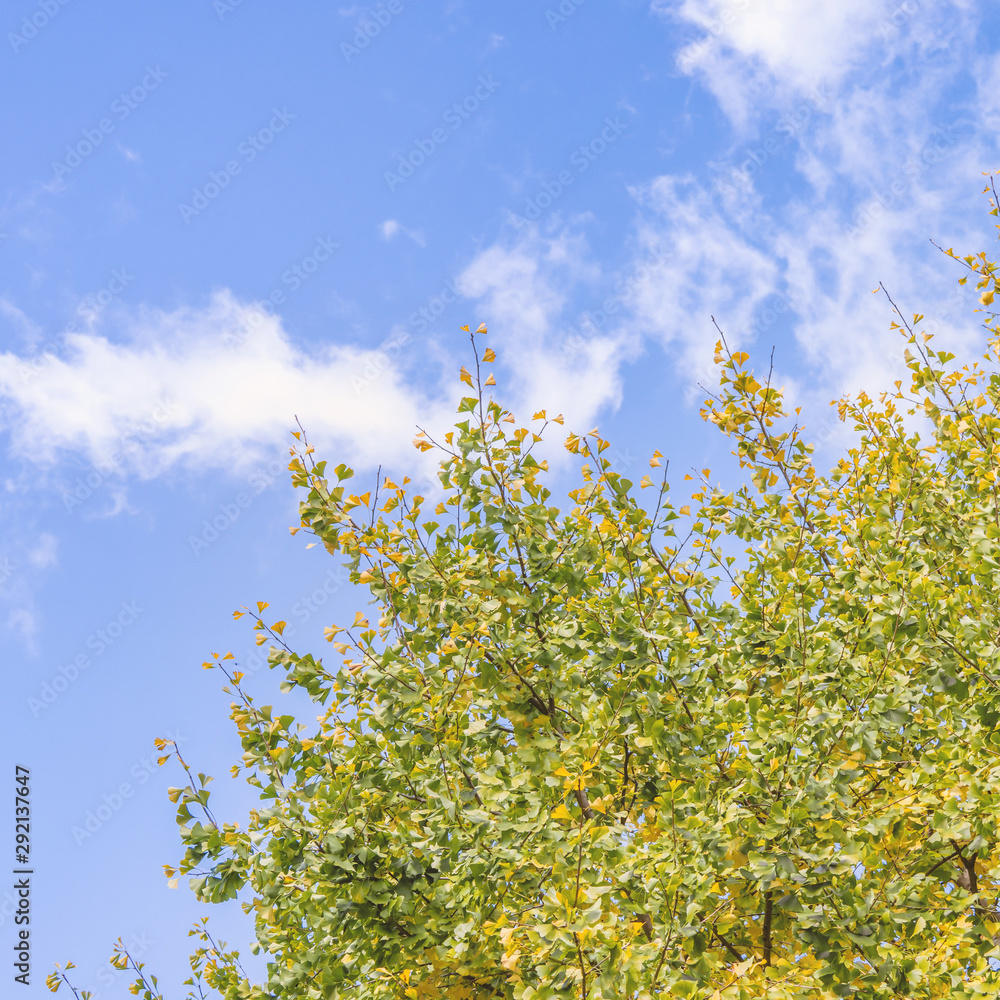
(218, 216)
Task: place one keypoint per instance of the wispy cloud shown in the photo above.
(522, 286)
(848, 153)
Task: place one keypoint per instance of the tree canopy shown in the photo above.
(628, 749)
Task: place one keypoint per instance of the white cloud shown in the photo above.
(24, 621)
(523, 288)
(822, 195)
(217, 386)
(802, 42)
(130, 154)
(761, 53)
(221, 386)
(391, 228)
(45, 552)
(712, 269)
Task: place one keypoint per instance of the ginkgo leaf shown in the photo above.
(576, 752)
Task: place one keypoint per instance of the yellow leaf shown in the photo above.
(489, 356)
(561, 812)
(540, 415)
(366, 577)
(237, 615)
(261, 605)
(685, 510)
(465, 328)
(278, 627)
(465, 376)
(645, 481)
(481, 328)
(655, 460)
(561, 771)
(490, 381)
(359, 619)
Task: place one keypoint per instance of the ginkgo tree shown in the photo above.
(627, 749)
